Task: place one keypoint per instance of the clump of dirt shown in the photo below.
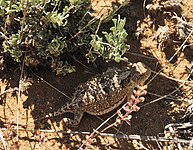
(160, 35)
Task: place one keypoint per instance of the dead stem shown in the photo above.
(181, 46)
(171, 98)
(119, 136)
(177, 80)
(49, 84)
(19, 98)
(3, 141)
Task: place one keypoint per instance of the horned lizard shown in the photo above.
(103, 92)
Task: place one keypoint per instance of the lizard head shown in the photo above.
(135, 73)
(141, 73)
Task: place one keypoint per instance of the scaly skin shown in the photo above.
(103, 92)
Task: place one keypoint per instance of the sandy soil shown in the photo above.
(154, 40)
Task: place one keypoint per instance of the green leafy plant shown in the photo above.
(41, 31)
(114, 46)
(12, 46)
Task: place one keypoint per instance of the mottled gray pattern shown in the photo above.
(104, 92)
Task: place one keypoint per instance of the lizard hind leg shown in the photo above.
(73, 122)
(68, 108)
(64, 109)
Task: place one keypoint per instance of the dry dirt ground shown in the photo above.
(160, 36)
